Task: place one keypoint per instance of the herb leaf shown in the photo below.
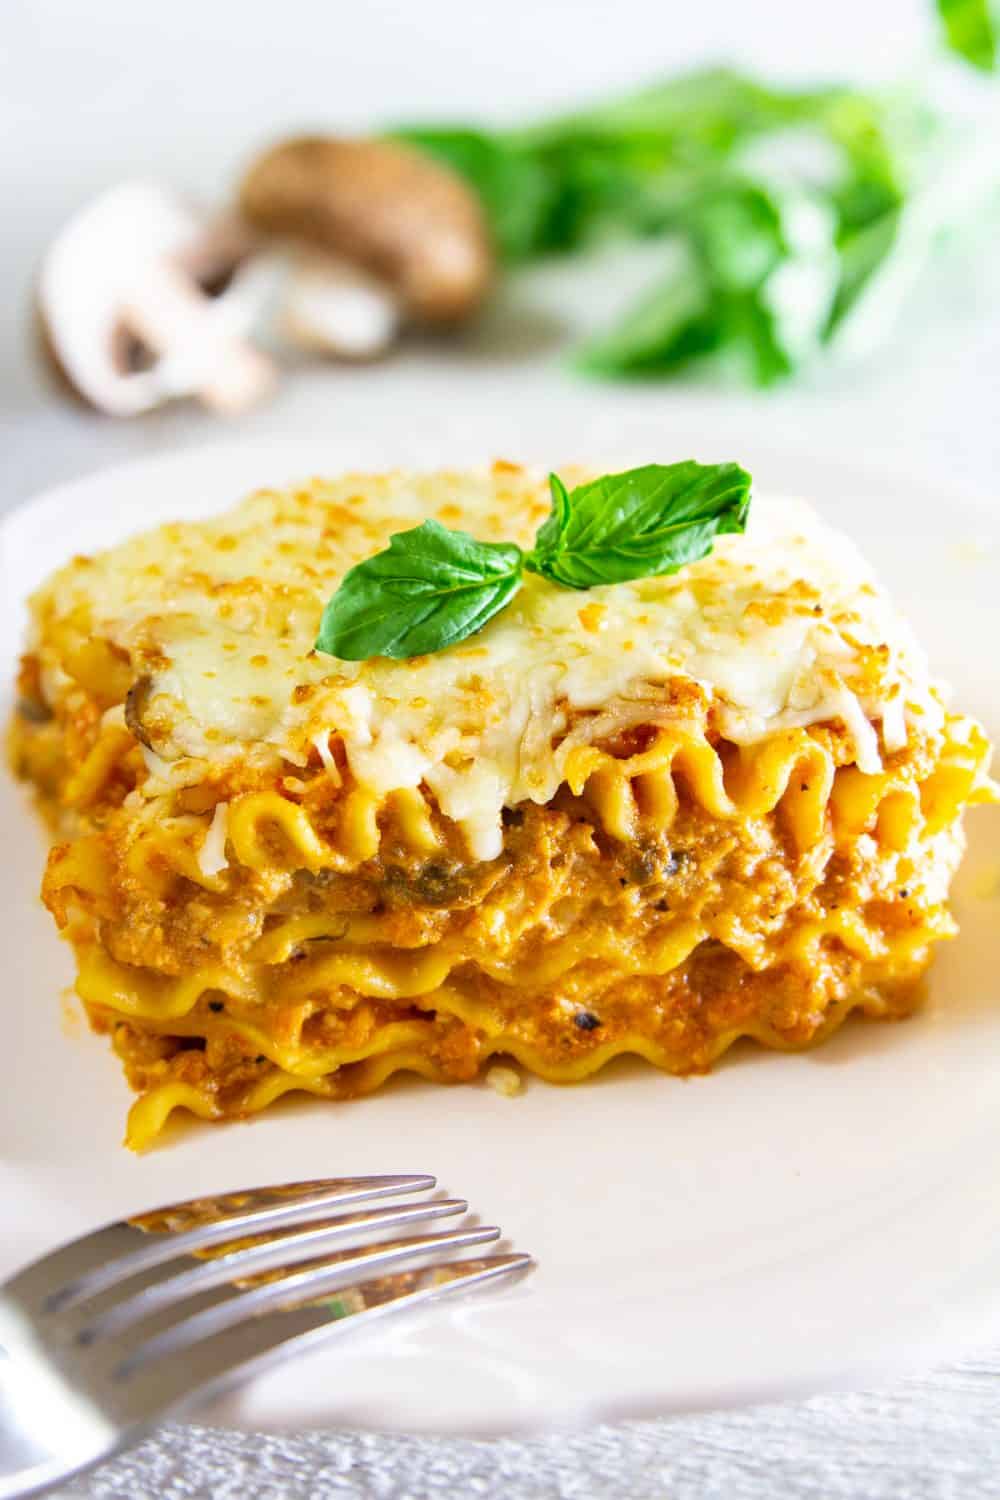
(433, 587)
(670, 324)
(552, 529)
(639, 524)
(429, 589)
(756, 277)
(971, 27)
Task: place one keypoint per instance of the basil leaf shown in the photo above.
(550, 532)
(704, 113)
(639, 524)
(671, 323)
(755, 280)
(429, 589)
(971, 28)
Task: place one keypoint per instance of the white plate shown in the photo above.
(785, 1224)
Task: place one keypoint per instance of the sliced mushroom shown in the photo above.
(140, 301)
(383, 207)
(136, 700)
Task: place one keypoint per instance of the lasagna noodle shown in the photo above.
(284, 917)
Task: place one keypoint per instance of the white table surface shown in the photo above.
(90, 94)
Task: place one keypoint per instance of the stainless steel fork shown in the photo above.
(102, 1337)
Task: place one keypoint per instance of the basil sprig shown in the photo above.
(775, 206)
(433, 587)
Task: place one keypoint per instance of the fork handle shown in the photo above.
(44, 1436)
(25, 1467)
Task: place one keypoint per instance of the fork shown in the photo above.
(102, 1337)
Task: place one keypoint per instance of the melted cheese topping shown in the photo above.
(784, 626)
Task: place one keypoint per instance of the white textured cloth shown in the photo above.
(934, 1438)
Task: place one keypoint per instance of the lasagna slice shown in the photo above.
(649, 817)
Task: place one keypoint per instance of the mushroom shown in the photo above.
(329, 306)
(379, 232)
(136, 701)
(141, 301)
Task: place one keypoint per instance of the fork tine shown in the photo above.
(176, 1217)
(277, 1251)
(246, 1297)
(218, 1361)
(96, 1261)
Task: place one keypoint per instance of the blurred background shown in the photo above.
(187, 95)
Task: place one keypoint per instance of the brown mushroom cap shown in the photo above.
(383, 205)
